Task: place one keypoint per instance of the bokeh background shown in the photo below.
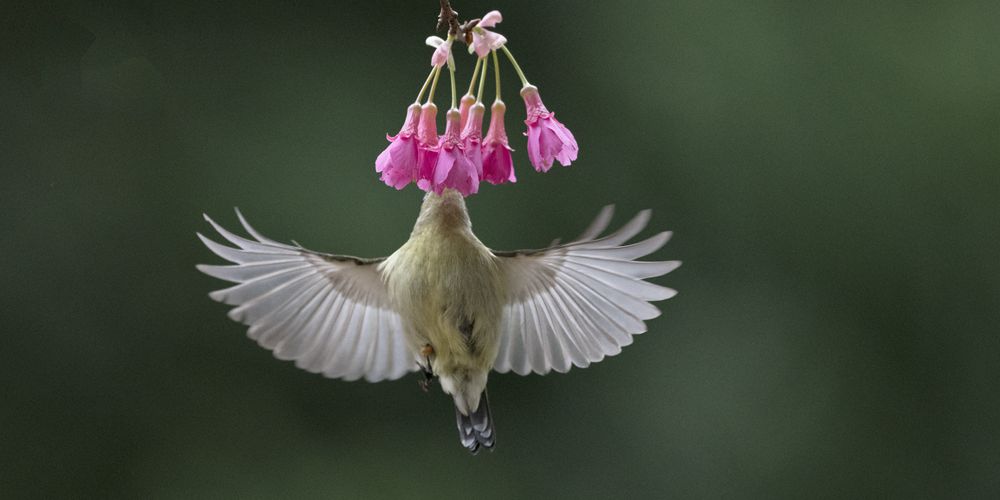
(830, 170)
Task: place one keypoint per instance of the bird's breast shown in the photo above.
(449, 289)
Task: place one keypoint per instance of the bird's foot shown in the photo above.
(427, 351)
(428, 379)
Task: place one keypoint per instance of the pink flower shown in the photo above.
(463, 107)
(548, 139)
(498, 166)
(442, 51)
(398, 162)
(427, 145)
(453, 168)
(483, 40)
(472, 137)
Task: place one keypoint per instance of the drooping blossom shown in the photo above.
(484, 40)
(453, 168)
(462, 158)
(427, 145)
(472, 136)
(548, 139)
(398, 162)
(498, 166)
(442, 52)
(463, 107)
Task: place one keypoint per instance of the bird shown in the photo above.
(445, 304)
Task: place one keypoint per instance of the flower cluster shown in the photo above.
(463, 157)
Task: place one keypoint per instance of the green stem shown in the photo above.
(427, 82)
(434, 84)
(496, 69)
(451, 69)
(475, 74)
(454, 99)
(482, 81)
(524, 80)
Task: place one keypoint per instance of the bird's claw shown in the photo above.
(428, 379)
(427, 351)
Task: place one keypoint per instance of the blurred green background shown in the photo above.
(830, 170)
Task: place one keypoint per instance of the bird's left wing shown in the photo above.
(329, 313)
(575, 303)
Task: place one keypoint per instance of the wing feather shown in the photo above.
(248, 245)
(599, 224)
(604, 323)
(359, 361)
(537, 355)
(601, 248)
(372, 346)
(358, 353)
(619, 316)
(596, 339)
(241, 256)
(291, 347)
(244, 294)
(634, 269)
(563, 353)
(399, 358)
(329, 361)
(328, 313)
(314, 348)
(574, 304)
(281, 322)
(630, 229)
(296, 314)
(247, 272)
(253, 308)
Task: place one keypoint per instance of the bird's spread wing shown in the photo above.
(575, 303)
(329, 313)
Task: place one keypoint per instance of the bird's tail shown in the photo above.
(476, 429)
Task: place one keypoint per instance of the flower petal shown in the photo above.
(445, 163)
(486, 41)
(496, 40)
(441, 55)
(383, 161)
(534, 150)
(550, 145)
(490, 19)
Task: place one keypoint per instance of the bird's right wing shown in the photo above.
(329, 313)
(575, 303)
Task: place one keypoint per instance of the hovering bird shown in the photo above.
(446, 304)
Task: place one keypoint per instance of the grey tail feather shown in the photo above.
(476, 429)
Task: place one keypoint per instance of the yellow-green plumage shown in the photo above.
(444, 280)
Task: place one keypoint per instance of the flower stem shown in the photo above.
(434, 84)
(454, 99)
(427, 82)
(524, 80)
(496, 69)
(475, 74)
(482, 81)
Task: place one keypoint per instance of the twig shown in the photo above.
(449, 18)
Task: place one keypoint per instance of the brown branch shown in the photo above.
(448, 18)
(460, 30)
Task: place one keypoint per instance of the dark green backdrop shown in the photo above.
(830, 170)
